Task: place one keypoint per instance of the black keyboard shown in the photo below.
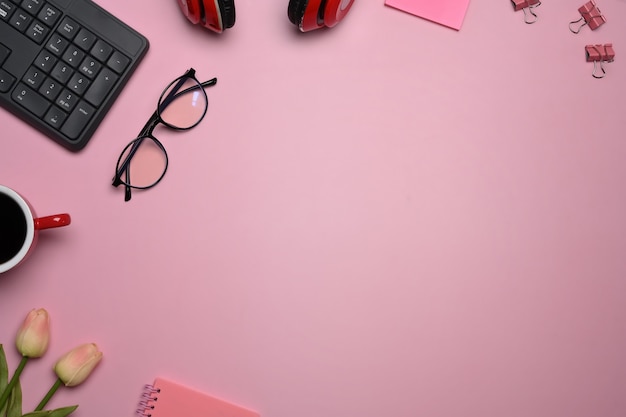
(62, 65)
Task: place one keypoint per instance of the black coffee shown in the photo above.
(12, 228)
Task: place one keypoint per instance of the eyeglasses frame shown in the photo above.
(154, 120)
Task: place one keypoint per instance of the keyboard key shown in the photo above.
(50, 89)
(90, 67)
(73, 55)
(20, 20)
(6, 81)
(45, 61)
(78, 83)
(34, 77)
(118, 62)
(78, 119)
(55, 117)
(37, 31)
(32, 6)
(62, 72)
(68, 28)
(49, 15)
(101, 87)
(56, 44)
(30, 100)
(85, 39)
(6, 9)
(67, 100)
(101, 50)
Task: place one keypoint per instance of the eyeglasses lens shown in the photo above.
(183, 104)
(147, 165)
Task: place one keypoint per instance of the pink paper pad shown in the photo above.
(445, 12)
(175, 400)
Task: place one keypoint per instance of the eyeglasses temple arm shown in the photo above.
(127, 189)
(168, 99)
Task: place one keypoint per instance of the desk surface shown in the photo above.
(386, 218)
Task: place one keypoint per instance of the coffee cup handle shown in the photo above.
(49, 222)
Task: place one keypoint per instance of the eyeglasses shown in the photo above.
(182, 106)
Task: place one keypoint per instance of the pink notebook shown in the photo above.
(445, 12)
(168, 399)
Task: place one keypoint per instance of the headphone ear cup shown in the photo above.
(335, 11)
(217, 15)
(227, 8)
(191, 9)
(295, 10)
(306, 14)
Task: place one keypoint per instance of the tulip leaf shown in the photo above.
(14, 408)
(4, 370)
(59, 412)
(4, 377)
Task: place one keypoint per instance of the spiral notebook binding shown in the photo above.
(146, 403)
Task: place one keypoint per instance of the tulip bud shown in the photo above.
(76, 365)
(34, 334)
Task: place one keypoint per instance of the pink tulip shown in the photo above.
(76, 365)
(34, 334)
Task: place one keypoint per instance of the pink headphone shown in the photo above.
(218, 15)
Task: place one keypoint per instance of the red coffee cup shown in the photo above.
(20, 226)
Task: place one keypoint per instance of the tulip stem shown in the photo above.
(13, 381)
(49, 395)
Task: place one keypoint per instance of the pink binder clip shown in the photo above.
(527, 6)
(590, 15)
(601, 54)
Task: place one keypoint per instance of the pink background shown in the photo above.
(387, 218)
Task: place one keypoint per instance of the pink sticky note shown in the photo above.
(445, 12)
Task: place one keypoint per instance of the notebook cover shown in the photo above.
(176, 400)
(445, 12)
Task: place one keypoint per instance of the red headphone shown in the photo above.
(219, 15)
